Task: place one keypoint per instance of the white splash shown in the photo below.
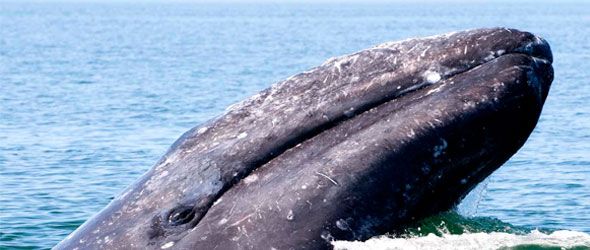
(479, 241)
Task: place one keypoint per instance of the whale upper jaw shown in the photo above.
(363, 144)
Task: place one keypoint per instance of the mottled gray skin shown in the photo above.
(359, 146)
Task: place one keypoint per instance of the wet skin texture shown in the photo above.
(359, 146)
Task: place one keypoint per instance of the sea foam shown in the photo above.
(481, 241)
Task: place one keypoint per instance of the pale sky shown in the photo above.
(304, 1)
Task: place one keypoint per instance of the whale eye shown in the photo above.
(181, 215)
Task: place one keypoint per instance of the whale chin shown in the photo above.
(360, 146)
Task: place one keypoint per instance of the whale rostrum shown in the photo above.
(359, 146)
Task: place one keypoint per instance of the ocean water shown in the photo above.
(92, 94)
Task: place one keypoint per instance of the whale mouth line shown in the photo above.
(526, 50)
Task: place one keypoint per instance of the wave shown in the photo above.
(453, 231)
(562, 239)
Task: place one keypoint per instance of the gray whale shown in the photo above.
(359, 146)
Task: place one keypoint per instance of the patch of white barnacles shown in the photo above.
(290, 215)
(202, 130)
(274, 121)
(242, 135)
(251, 178)
(494, 54)
(411, 134)
(258, 113)
(490, 57)
(432, 76)
(439, 149)
(222, 221)
(468, 105)
(167, 245)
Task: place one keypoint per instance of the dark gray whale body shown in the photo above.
(359, 146)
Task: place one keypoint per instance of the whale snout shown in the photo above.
(543, 70)
(539, 51)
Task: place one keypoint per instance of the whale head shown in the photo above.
(359, 146)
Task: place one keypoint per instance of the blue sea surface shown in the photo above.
(92, 94)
